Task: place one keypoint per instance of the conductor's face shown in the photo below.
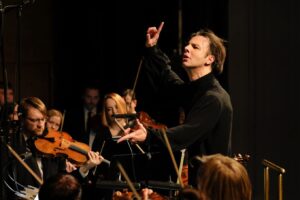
(34, 122)
(197, 53)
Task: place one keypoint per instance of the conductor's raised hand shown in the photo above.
(138, 135)
(153, 35)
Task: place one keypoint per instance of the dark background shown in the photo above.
(65, 43)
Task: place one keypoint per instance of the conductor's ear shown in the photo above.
(210, 59)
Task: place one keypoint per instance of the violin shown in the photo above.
(57, 143)
(148, 122)
(128, 195)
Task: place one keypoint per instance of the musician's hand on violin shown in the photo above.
(70, 167)
(94, 159)
(146, 192)
(153, 35)
(138, 135)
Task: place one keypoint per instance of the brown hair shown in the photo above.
(217, 49)
(121, 105)
(129, 92)
(223, 178)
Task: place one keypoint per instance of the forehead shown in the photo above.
(91, 92)
(127, 98)
(33, 112)
(55, 118)
(110, 102)
(200, 40)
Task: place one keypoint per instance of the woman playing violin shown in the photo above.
(113, 103)
(105, 141)
(33, 119)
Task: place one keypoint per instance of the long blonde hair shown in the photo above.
(121, 105)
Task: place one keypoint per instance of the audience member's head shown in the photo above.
(223, 178)
(60, 187)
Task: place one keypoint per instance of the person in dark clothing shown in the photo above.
(33, 116)
(81, 120)
(12, 106)
(207, 126)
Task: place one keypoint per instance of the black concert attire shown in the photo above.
(43, 166)
(108, 173)
(207, 127)
(77, 125)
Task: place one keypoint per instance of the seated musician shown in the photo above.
(131, 104)
(54, 119)
(105, 142)
(33, 119)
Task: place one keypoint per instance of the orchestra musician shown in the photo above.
(12, 106)
(79, 119)
(207, 126)
(105, 141)
(33, 115)
(54, 119)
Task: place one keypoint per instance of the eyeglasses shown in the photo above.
(36, 120)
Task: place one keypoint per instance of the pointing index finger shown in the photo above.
(160, 27)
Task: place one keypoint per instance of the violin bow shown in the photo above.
(15, 154)
(135, 81)
(172, 156)
(129, 182)
(100, 152)
(62, 121)
(181, 163)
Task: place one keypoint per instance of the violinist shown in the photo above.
(131, 104)
(105, 141)
(130, 100)
(54, 119)
(33, 119)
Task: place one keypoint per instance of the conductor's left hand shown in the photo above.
(138, 135)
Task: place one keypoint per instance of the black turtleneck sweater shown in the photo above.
(208, 109)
